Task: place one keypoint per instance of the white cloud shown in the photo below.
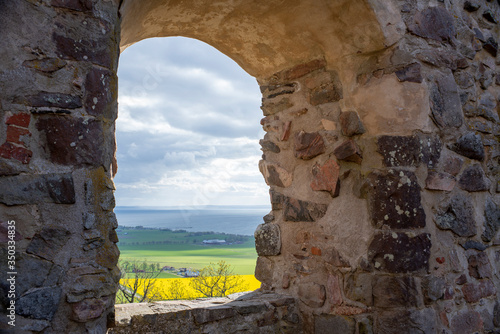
(188, 127)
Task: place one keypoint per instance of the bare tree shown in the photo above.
(217, 280)
(137, 285)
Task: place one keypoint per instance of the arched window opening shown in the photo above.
(189, 193)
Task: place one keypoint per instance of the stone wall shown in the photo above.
(381, 152)
(384, 180)
(239, 313)
(58, 63)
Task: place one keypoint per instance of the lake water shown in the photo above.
(228, 219)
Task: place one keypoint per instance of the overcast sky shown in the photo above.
(188, 127)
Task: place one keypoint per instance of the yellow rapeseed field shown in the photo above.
(179, 288)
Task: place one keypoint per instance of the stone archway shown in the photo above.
(381, 154)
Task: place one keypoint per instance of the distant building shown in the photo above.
(214, 241)
(167, 268)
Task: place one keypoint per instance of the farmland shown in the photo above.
(186, 249)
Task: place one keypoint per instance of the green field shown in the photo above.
(185, 249)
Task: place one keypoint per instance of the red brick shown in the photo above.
(22, 120)
(10, 151)
(14, 134)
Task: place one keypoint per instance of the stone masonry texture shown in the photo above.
(381, 153)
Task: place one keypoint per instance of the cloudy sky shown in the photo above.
(188, 127)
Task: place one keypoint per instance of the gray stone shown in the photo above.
(415, 322)
(350, 124)
(479, 266)
(312, 294)
(472, 244)
(396, 291)
(301, 211)
(470, 145)
(445, 103)
(491, 220)
(359, 288)
(399, 151)
(48, 242)
(466, 322)
(31, 264)
(434, 23)
(473, 179)
(349, 151)
(433, 288)
(491, 46)
(471, 6)
(89, 220)
(400, 252)
(40, 303)
(268, 145)
(204, 315)
(395, 200)
(107, 200)
(54, 100)
(459, 217)
(268, 239)
(33, 189)
(410, 73)
(264, 270)
(334, 324)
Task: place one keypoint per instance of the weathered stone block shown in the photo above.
(334, 324)
(473, 179)
(308, 145)
(268, 239)
(415, 321)
(491, 46)
(77, 5)
(334, 290)
(440, 181)
(33, 189)
(326, 93)
(264, 270)
(73, 141)
(48, 242)
(270, 107)
(459, 217)
(400, 252)
(445, 103)
(396, 291)
(101, 93)
(475, 292)
(46, 65)
(349, 151)
(351, 124)
(268, 145)
(88, 309)
(479, 266)
(301, 211)
(202, 316)
(50, 100)
(277, 199)
(433, 288)
(39, 304)
(395, 200)
(15, 134)
(470, 145)
(471, 6)
(434, 23)
(466, 322)
(453, 165)
(359, 288)
(491, 220)
(275, 175)
(312, 294)
(108, 255)
(326, 177)
(410, 73)
(93, 50)
(398, 151)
